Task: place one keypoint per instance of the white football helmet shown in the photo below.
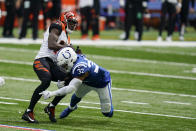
(66, 58)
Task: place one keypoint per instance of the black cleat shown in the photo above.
(29, 116)
(50, 110)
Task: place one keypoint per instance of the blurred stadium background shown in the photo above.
(112, 18)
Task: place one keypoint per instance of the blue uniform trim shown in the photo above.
(110, 114)
(110, 93)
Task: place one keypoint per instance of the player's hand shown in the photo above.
(46, 94)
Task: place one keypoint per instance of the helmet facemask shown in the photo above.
(71, 25)
(70, 21)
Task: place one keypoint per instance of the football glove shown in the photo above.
(46, 94)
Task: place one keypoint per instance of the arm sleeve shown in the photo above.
(74, 84)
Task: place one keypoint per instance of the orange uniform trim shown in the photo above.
(39, 66)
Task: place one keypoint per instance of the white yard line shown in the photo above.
(109, 58)
(8, 103)
(132, 102)
(16, 62)
(18, 50)
(154, 75)
(116, 71)
(175, 102)
(89, 107)
(27, 41)
(139, 60)
(87, 102)
(113, 88)
(154, 92)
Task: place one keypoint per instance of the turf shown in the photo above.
(151, 110)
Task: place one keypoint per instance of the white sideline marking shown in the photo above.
(16, 62)
(87, 102)
(27, 41)
(113, 88)
(8, 103)
(191, 71)
(143, 113)
(165, 52)
(132, 102)
(153, 114)
(18, 50)
(154, 92)
(110, 58)
(154, 75)
(116, 71)
(175, 102)
(139, 60)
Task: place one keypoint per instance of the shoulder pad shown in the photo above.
(80, 69)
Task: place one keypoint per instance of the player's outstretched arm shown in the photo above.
(74, 84)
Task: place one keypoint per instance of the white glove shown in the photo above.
(60, 84)
(46, 94)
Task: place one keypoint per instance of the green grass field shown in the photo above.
(114, 34)
(153, 90)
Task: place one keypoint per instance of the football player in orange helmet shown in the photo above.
(55, 38)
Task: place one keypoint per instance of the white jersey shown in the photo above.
(45, 51)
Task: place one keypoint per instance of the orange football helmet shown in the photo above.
(69, 20)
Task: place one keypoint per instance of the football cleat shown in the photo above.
(67, 111)
(96, 37)
(50, 110)
(29, 116)
(84, 37)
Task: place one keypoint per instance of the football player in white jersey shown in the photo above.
(55, 38)
(87, 76)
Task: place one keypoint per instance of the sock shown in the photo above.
(74, 101)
